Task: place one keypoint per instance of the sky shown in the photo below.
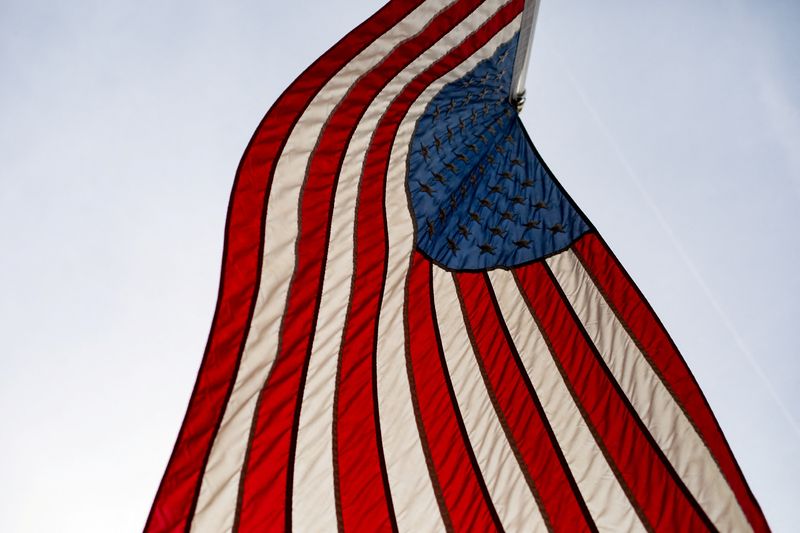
(674, 125)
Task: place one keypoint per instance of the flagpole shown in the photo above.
(529, 15)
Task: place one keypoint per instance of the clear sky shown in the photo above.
(674, 125)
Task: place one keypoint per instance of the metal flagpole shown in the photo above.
(529, 15)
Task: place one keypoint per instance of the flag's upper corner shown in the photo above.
(482, 198)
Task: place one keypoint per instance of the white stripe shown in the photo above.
(313, 503)
(510, 494)
(604, 497)
(219, 489)
(656, 407)
(412, 492)
(414, 500)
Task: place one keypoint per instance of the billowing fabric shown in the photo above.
(418, 330)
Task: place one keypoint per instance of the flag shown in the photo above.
(418, 330)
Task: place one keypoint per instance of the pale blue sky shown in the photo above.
(675, 126)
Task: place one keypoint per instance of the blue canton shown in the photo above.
(481, 196)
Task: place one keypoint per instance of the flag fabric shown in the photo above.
(418, 330)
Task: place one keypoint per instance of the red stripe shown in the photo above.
(507, 380)
(649, 334)
(656, 489)
(463, 491)
(267, 477)
(241, 271)
(364, 500)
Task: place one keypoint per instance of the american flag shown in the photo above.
(418, 330)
